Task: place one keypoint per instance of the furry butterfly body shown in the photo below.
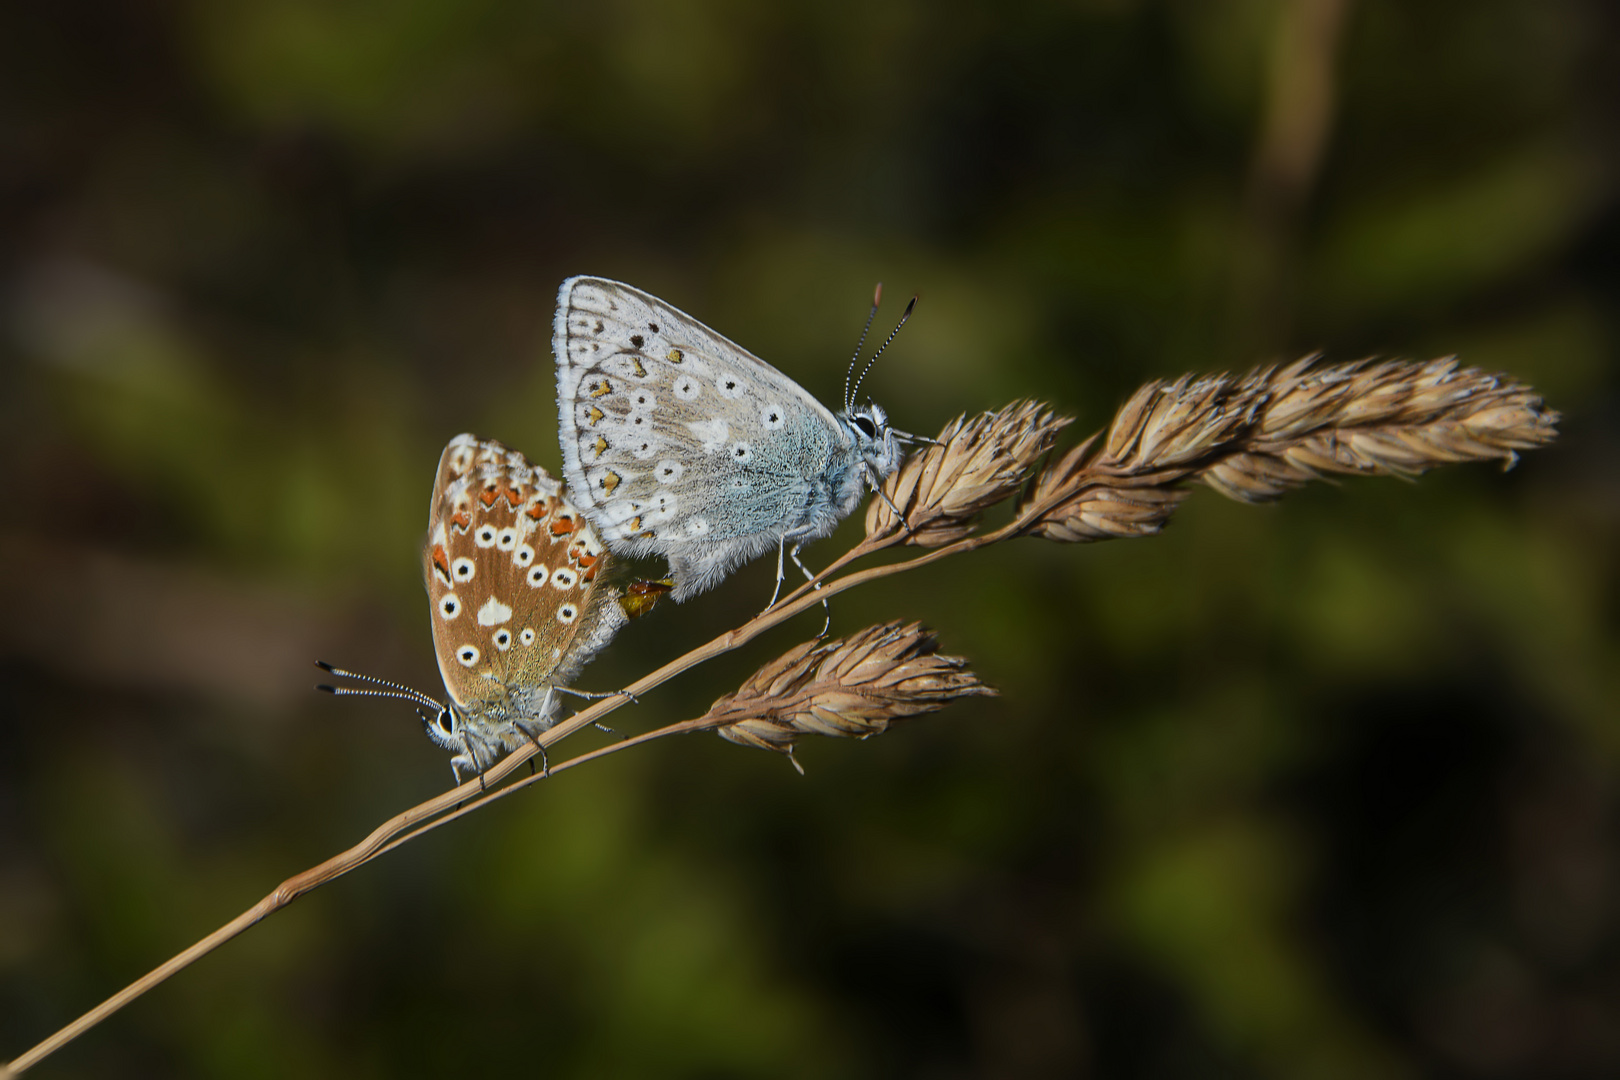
(678, 442)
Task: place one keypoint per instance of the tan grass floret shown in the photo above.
(1257, 437)
(854, 687)
(976, 464)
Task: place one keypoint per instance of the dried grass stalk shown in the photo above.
(1257, 437)
(855, 688)
(979, 462)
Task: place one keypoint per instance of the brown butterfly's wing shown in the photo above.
(514, 578)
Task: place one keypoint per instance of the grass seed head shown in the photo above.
(941, 491)
(853, 687)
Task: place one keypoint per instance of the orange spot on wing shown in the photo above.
(563, 526)
(441, 562)
(461, 520)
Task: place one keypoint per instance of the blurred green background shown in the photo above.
(1326, 789)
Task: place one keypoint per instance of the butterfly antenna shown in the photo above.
(394, 689)
(904, 316)
(877, 298)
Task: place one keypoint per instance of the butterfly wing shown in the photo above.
(677, 441)
(513, 574)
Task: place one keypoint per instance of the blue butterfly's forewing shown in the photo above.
(678, 442)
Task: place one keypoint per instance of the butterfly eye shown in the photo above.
(463, 569)
(868, 428)
(447, 721)
(450, 607)
(467, 655)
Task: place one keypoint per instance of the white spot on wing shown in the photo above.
(493, 613)
(711, 433)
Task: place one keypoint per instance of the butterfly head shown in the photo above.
(444, 726)
(875, 441)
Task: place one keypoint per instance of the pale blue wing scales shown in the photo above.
(674, 437)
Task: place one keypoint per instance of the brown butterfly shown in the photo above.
(514, 574)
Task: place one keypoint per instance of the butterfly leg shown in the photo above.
(545, 710)
(816, 585)
(591, 696)
(877, 486)
(545, 762)
(781, 545)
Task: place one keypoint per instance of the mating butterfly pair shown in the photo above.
(676, 442)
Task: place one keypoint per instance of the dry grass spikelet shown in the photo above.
(854, 687)
(1257, 437)
(1377, 419)
(977, 463)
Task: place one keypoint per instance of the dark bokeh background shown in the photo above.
(1326, 789)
